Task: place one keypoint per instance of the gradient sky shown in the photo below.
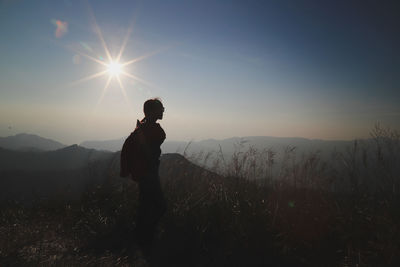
(314, 69)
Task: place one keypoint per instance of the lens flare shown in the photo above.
(61, 27)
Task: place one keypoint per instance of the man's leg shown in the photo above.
(151, 208)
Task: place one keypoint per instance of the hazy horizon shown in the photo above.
(188, 140)
(222, 69)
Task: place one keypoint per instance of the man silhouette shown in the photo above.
(151, 200)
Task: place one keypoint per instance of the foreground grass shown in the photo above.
(211, 221)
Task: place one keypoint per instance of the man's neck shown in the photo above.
(150, 120)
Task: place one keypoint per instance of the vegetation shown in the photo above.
(251, 211)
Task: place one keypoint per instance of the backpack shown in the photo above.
(132, 156)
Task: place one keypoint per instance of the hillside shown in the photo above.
(68, 171)
(64, 172)
(25, 141)
(71, 157)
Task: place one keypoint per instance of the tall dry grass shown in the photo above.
(254, 209)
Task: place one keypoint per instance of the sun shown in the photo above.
(113, 66)
(114, 69)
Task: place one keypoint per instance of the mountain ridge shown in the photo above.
(68, 171)
(28, 142)
(231, 145)
(228, 146)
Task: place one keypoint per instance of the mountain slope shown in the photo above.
(67, 172)
(68, 158)
(25, 141)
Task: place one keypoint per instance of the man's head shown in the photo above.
(153, 109)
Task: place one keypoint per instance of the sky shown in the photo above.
(313, 69)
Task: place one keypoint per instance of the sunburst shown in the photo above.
(113, 66)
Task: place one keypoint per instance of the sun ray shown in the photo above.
(99, 33)
(88, 78)
(124, 94)
(144, 56)
(90, 57)
(103, 92)
(122, 88)
(125, 42)
(136, 78)
(121, 51)
(70, 48)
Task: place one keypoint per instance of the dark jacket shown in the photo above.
(153, 137)
(140, 154)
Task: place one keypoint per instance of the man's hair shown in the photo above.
(152, 105)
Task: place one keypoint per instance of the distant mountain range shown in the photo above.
(195, 149)
(43, 167)
(116, 145)
(26, 142)
(110, 145)
(230, 145)
(30, 142)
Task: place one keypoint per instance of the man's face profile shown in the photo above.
(160, 113)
